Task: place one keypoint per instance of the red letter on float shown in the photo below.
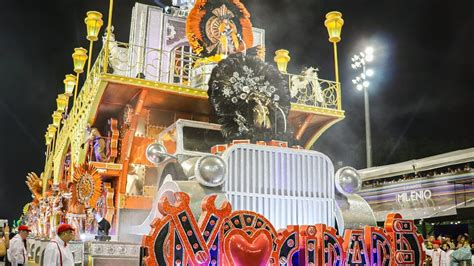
(287, 244)
(330, 245)
(405, 242)
(309, 248)
(355, 248)
(378, 246)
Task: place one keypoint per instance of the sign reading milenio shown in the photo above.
(414, 196)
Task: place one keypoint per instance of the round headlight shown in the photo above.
(348, 180)
(156, 153)
(210, 171)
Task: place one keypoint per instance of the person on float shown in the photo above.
(103, 226)
(57, 252)
(438, 256)
(17, 253)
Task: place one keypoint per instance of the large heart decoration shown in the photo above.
(244, 250)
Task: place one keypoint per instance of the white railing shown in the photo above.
(178, 67)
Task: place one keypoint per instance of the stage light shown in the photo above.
(359, 87)
(366, 84)
(369, 57)
(369, 72)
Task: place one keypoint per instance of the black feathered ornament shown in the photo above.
(251, 99)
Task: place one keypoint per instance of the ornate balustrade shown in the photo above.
(73, 130)
(178, 67)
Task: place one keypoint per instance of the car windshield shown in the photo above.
(201, 139)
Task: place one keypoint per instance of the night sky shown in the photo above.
(421, 95)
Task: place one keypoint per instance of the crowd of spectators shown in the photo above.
(451, 170)
(456, 249)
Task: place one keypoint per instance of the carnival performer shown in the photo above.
(103, 226)
(57, 252)
(227, 30)
(461, 256)
(4, 243)
(98, 144)
(17, 253)
(438, 256)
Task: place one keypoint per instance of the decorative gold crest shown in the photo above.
(216, 27)
(87, 185)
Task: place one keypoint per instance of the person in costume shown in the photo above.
(57, 252)
(438, 256)
(215, 28)
(17, 253)
(134, 182)
(103, 226)
(461, 256)
(227, 30)
(98, 145)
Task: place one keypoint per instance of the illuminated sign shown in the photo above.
(414, 196)
(239, 238)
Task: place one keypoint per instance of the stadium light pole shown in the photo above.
(361, 81)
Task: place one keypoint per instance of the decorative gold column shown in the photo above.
(334, 24)
(57, 115)
(93, 22)
(107, 39)
(61, 102)
(69, 84)
(52, 134)
(79, 58)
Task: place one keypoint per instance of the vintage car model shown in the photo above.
(287, 185)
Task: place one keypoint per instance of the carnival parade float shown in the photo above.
(197, 152)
